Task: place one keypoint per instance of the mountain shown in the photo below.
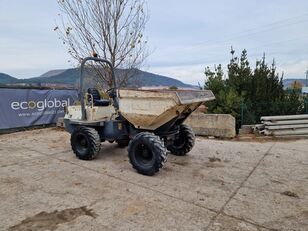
(71, 77)
(287, 82)
(138, 79)
(147, 79)
(5, 79)
(53, 73)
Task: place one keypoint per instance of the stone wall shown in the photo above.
(218, 125)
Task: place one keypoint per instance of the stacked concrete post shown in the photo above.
(284, 125)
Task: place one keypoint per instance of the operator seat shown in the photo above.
(97, 100)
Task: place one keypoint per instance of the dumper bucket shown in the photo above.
(150, 109)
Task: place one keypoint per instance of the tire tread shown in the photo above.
(157, 146)
(95, 143)
(189, 141)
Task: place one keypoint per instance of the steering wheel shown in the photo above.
(110, 92)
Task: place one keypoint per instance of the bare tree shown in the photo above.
(111, 28)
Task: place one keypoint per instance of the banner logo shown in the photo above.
(40, 105)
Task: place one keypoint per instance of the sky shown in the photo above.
(183, 36)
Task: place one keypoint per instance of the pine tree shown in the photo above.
(260, 90)
(239, 74)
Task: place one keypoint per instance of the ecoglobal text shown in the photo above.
(40, 105)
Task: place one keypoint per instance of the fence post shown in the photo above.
(242, 112)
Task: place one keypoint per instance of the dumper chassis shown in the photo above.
(148, 122)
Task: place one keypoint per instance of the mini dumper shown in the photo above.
(149, 122)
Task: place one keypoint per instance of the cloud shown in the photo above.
(295, 69)
(191, 74)
(187, 37)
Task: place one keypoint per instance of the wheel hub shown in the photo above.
(83, 142)
(179, 142)
(144, 154)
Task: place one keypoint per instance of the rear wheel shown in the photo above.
(147, 153)
(184, 142)
(85, 143)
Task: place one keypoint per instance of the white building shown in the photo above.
(305, 90)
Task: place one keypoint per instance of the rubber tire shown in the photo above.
(155, 146)
(93, 140)
(123, 143)
(188, 137)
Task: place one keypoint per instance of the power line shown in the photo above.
(283, 22)
(243, 35)
(261, 29)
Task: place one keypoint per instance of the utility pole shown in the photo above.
(307, 78)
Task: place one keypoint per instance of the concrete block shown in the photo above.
(246, 129)
(218, 125)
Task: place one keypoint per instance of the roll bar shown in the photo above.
(114, 92)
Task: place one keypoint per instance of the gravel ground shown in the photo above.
(220, 185)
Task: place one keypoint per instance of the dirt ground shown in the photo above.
(220, 185)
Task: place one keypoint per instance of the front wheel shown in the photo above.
(147, 153)
(85, 142)
(184, 141)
